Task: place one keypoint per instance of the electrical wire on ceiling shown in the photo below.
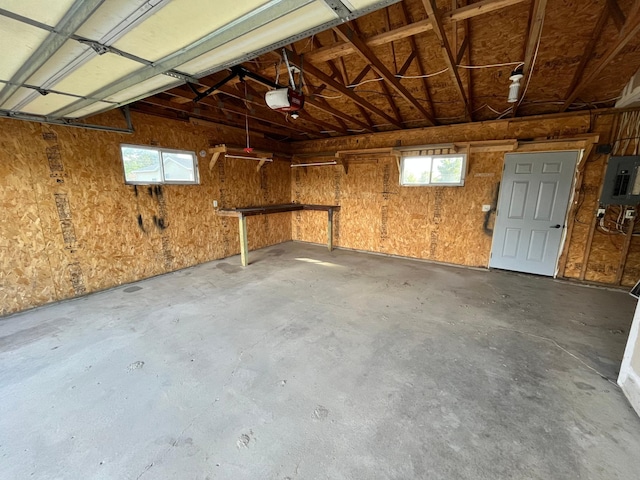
(329, 97)
(428, 75)
(492, 65)
(423, 76)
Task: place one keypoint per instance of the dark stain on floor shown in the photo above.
(228, 268)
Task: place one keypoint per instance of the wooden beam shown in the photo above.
(215, 154)
(348, 35)
(341, 71)
(474, 10)
(617, 15)
(573, 210)
(207, 114)
(361, 75)
(536, 21)
(625, 250)
(434, 17)
(589, 50)
(628, 33)
(405, 15)
(208, 104)
(407, 62)
(264, 114)
(467, 47)
(463, 48)
(372, 61)
(323, 77)
(337, 113)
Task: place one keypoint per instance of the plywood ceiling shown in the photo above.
(419, 63)
(72, 58)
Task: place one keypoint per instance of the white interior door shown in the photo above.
(532, 206)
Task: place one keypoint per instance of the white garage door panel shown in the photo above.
(175, 26)
(97, 72)
(18, 42)
(91, 109)
(48, 12)
(299, 21)
(159, 82)
(45, 104)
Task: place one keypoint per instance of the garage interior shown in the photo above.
(423, 271)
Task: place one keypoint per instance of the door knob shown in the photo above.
(557, 225)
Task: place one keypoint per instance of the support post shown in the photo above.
(244, 243)
(330, 229)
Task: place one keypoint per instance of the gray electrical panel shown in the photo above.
(621, 181)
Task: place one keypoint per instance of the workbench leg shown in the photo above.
(330, 231)
(244, 243)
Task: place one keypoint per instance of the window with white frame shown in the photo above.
(151, 165)
(419, 168)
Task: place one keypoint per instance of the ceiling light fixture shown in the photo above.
(514, 88)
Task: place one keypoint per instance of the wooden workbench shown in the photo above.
(243, 213)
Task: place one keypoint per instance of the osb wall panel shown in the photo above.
(447, 224)
(523, 128)
(603, 260)
(376, 214)
(71, 226)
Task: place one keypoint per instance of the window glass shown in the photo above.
(178, 167)
(447, 170)
(141, 165)
(148, 165)
(434, 170)
(416, 170)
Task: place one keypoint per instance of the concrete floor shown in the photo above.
(317, 365)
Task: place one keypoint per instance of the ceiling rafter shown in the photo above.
(242, 110)
(536, 22)
(347, 34)
(184, 95)
(628, 32)
(341, 72)
(407, 63)
(266, 115)
(323, 77)
(343, 128)
(363, 111)
(211, 119)
(363, 73)
(482, 7)
(434, 17)
(616, 13)
(466, 47)
(384, 85)
(406, 17)
(589, 49)
(317, 91)
(209, 114)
